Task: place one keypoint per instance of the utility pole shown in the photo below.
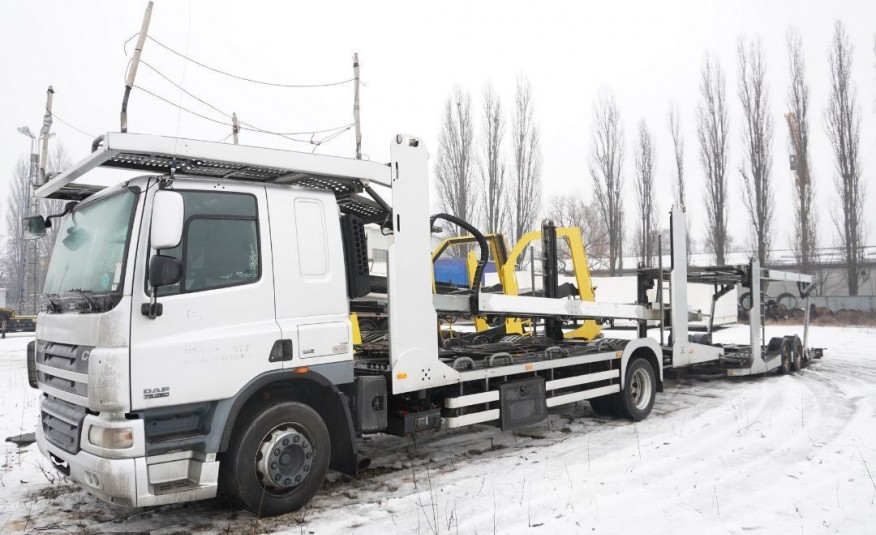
(235, 127)
(135, 62)
(44, 140)
(356, 106)
(38, 180)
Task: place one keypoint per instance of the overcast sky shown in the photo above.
(413, 54)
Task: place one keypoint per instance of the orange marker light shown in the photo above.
(301, 371)
(401, 376)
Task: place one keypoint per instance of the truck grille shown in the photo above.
(62, 423)
(65, 358)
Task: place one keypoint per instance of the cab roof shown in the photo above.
(345, 177)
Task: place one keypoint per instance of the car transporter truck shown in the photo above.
(199, 329)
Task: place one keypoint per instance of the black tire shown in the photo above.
(788, 300)
(796, 353)
(368, 324)
(307, 458)
(774, 346)
(744, 301)
(605, 405)
(640, 390)
(785, 354)
(797, 345)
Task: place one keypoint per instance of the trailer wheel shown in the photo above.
(800, 359)
(637, 398)
(277, 459)
(796, 354)
(744, 301)
(785, 352)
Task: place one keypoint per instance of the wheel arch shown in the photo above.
(311, 389)
(644, 348)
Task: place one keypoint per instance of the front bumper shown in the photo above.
(139, 481)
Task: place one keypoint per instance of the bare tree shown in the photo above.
(757, 138)
(679, 185)
(572, 211)
(526, 149)
(843, 121)
(647, 232)
(678, 146)
(495, 197)
(606, 163)
(454, 170)
(21, 271)
(712, 131)
(805, 239)
(15, 247)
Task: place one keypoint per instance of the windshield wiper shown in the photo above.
(54, 306)
(93, 305)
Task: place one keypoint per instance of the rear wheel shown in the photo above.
(798, 350)
(785, 352)
(277, 459)
(605, 405)
(640, 390)
(796, 353)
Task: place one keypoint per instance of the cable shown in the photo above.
(175, 105)
(251, 129)
(62, 121)
(328, 138)
(230, 75)
(176, 85)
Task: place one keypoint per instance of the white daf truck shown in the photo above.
(199, 327)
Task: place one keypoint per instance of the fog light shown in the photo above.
(114, 438)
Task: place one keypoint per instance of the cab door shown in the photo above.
(311, 288)
(218, 324)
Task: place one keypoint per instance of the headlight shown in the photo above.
(113, 438)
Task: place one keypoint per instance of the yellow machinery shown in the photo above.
(589, 329)
(505, 267)
(498, 253)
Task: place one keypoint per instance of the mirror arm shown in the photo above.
(153, 308)
(67, 208)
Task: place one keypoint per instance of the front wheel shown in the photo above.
(277, 459)
(640, 390)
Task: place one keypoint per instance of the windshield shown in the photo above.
(89, 252)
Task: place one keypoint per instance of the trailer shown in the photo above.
(201, 326)
(10, 322)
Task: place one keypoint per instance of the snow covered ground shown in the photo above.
(792, 454)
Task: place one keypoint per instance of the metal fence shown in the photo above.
(862, 303)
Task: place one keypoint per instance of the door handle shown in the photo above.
(282, 351)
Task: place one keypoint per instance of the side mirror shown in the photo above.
(168, 212)
(164, 271)
(34, 227)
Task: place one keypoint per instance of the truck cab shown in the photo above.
(142, 383)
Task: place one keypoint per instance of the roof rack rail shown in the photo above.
(345, 177)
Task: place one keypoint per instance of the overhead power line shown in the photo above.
(62, 121)
(250, 128)
(238, 77)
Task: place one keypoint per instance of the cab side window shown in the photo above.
(220, 244)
